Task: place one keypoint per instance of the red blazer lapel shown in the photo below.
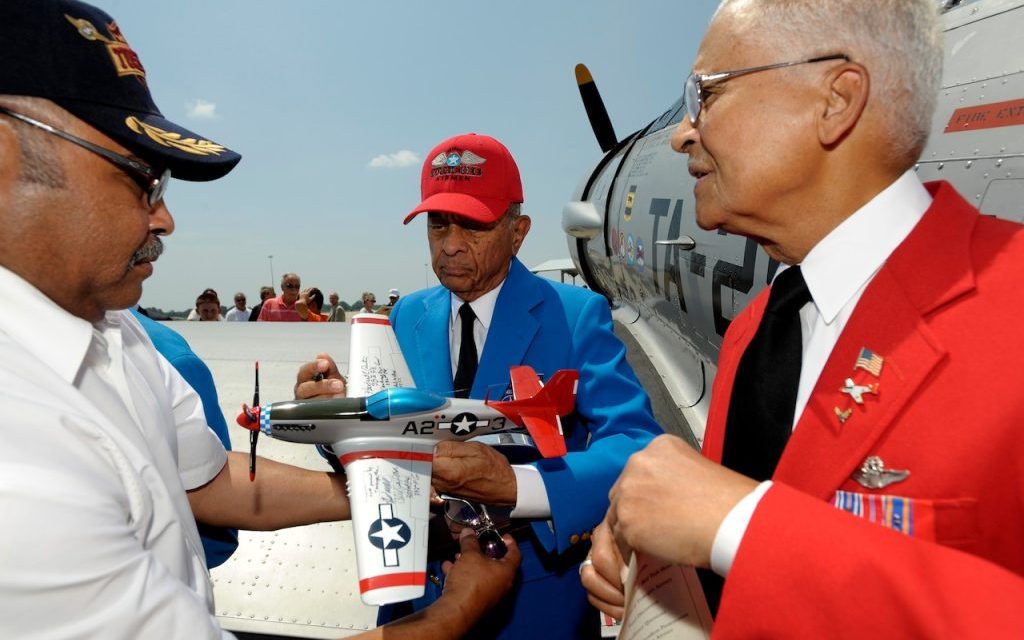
(929, 269)
(824, 451)
(739, 334)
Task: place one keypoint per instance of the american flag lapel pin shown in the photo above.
(869, 361)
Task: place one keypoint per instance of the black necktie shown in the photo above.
(466, 371)
(763, 399)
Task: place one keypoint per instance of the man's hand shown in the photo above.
(474, 471)
(319, 379)
(302, 304)
(476, 583)
(602, 578)
(670, 501)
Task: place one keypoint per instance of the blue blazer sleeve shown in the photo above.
(614, 414)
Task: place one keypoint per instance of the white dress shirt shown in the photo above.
(237, 315)
(837, 271)
(531, 494)
(101, 440)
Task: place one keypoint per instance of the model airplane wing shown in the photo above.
(389, 494)
(375, 359)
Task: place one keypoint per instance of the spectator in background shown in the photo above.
(207, 307)
(368, 301)
(239, 312)
(308, 305)
(282, 308)
(393, 296)
(265, 294)
(337, 313)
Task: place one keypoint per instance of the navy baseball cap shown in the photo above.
(75, 55)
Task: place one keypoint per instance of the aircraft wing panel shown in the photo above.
(389, 494)
(375, 359)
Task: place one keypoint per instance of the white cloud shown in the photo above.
(202, 109)
(403, 158)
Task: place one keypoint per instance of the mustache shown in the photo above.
(149, 252)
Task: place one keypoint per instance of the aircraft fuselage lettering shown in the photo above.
(671, 267)
(1010, 112)
(731, 276)
(422, 428)
(967, 118)
(659, 209)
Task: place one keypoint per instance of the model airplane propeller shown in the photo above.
(385, 440)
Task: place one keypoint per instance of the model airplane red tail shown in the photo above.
(539, 407)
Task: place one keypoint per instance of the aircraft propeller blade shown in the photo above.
(596, 112)
(254, 434)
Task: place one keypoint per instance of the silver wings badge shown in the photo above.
(873, 474)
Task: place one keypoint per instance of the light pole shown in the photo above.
(271, 258)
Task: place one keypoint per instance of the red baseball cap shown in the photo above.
(470, 175)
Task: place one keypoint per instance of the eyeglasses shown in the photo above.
(289, 286)
(153, 185)
(475, 516)
(693, 88)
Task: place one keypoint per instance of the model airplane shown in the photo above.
(675, 287)
(385, 441)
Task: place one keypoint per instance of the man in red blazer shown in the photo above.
(897, 505)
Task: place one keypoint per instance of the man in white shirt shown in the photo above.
(108, 462)
(892, 497)
(239, 312)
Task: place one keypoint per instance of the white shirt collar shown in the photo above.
(847, 258)
(483, 306)
(54, 336)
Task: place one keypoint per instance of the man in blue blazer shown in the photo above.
(472, 194)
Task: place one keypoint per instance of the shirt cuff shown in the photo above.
(531, 495)
(730, 532)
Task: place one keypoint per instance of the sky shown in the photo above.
(334, 104)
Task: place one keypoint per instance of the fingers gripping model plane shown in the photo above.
(385, 439)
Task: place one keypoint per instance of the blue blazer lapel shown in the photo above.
(431, 359)
(512, 329)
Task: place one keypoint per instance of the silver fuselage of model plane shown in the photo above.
(675, 287)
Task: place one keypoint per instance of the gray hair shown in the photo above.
(898, 41)
(514, 210)
(39, 165)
